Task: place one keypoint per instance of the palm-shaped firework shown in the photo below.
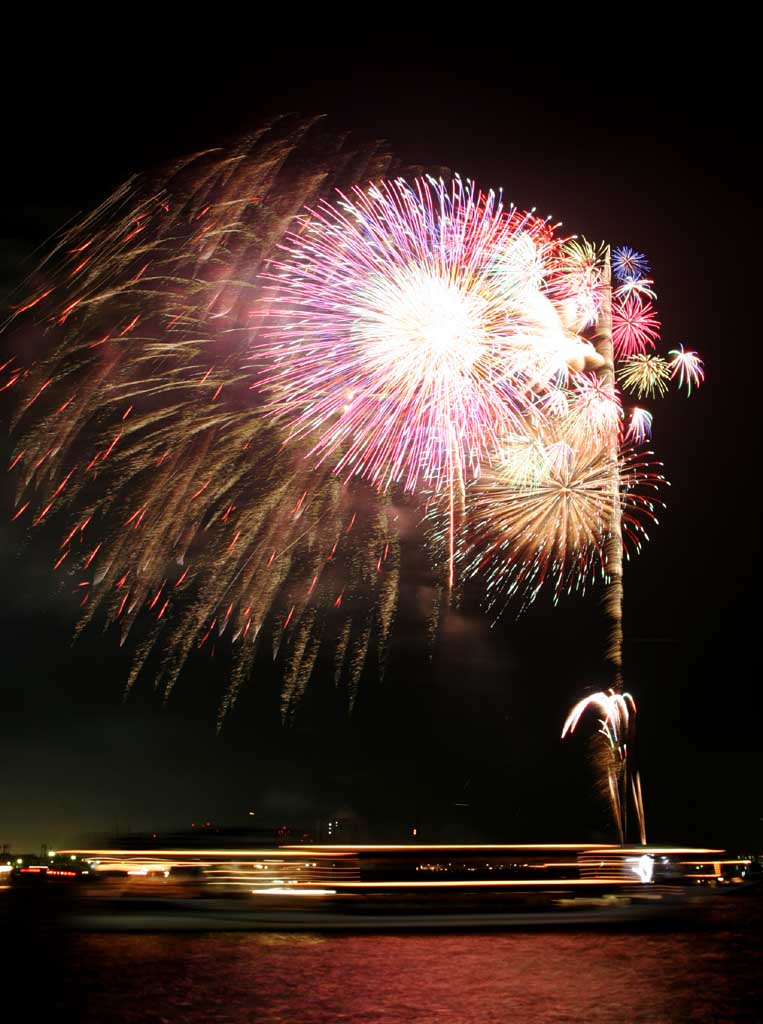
(616, 731)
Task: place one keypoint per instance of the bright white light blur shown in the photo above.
(643, 867)
(287, 891)
(426, 326)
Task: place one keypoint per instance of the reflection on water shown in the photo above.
(710, 974)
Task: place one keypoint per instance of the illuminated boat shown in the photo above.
(393, 886)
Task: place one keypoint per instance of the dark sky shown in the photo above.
(662, 161)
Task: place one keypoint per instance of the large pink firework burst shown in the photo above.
(408, 326)
(635, 326)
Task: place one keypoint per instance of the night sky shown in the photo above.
(465, 746)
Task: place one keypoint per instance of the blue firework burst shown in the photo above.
(628, 264)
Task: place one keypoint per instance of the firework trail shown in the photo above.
(136, 420)
(619, 778)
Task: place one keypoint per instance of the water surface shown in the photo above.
(709, 972)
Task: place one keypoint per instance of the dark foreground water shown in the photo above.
(711, 971)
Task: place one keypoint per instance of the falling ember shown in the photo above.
(67, 312)
(200, 490)
(130, 326)
(34, 398)
(133, 517)
(31, 303)
(92, 554)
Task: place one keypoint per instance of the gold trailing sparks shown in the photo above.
(543, 512)
(184, 506)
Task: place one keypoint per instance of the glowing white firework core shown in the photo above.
(421, 326)
(409, 326)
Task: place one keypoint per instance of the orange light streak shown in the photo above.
(33, 400)
(93, 553)
(80, 266)
(31, 303)
(206, 635)
(140, 273)
(103, 340)
(61, 559)
(68, 311)
(130, 326)
(40, 461)
(201, 489)
(134, 232)
(110, 449)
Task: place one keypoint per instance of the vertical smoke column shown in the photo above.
(628, 780)
(613, 549)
